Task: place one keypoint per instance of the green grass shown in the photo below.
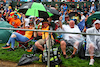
(14, 56)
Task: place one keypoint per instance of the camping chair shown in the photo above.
(69, 48)
(25, 44)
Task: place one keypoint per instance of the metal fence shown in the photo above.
(49, 35)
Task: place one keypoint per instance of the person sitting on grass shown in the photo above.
(18, 37)
(73, 39)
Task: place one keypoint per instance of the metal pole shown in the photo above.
(49, 52)
(48, 31)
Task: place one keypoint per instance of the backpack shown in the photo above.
(54, 56)
(81, 52)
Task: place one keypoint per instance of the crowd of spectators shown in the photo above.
(68, 17)
(57, 0)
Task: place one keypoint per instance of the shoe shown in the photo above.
(11, 49)
(91, 62)
(66, 56)
(6, 46)
(29, 50)
(72, 56)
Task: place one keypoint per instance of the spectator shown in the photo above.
(82, 16)
(52, 24)
(93, 7)
(61, 7)
(88, 1)
(4, 2)
(65, 8)
(76, 17)
(93, 11)
(73, 39)
(88, 8)
(15, 22)
(18, 5)
(73, 5)
(85, 12)
(45, 36)
(84, 6)
(18, 37)
(66, 19)
(56, 6)
(1, 7)
(78, 7)
(16, 8)
(63, 15)
(98, 7)
(2, 11)
(26, 20)
(1, 19)
(48, 6)
(90, 14)
(92, 41)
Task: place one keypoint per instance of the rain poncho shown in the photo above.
(95, 40)
(72, 38)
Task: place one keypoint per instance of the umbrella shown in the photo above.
(18, 14)
(38, 13)
(5, 34)
(27, 59)
(55, 13)
(25, 7)
(73, 14)
(90, 18)
(34, 9)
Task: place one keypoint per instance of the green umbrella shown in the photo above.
(38, 13)
(5, 34)
(35, 9)
(90, 18)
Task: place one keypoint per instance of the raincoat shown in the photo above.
(72, 38)
(94, 40)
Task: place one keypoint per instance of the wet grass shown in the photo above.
(14, 56)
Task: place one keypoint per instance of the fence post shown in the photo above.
(49, 52)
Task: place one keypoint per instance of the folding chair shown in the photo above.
(25, 44)
(69, 48)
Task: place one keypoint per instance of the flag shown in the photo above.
(81, 25)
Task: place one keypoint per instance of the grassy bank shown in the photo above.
(14, 56)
